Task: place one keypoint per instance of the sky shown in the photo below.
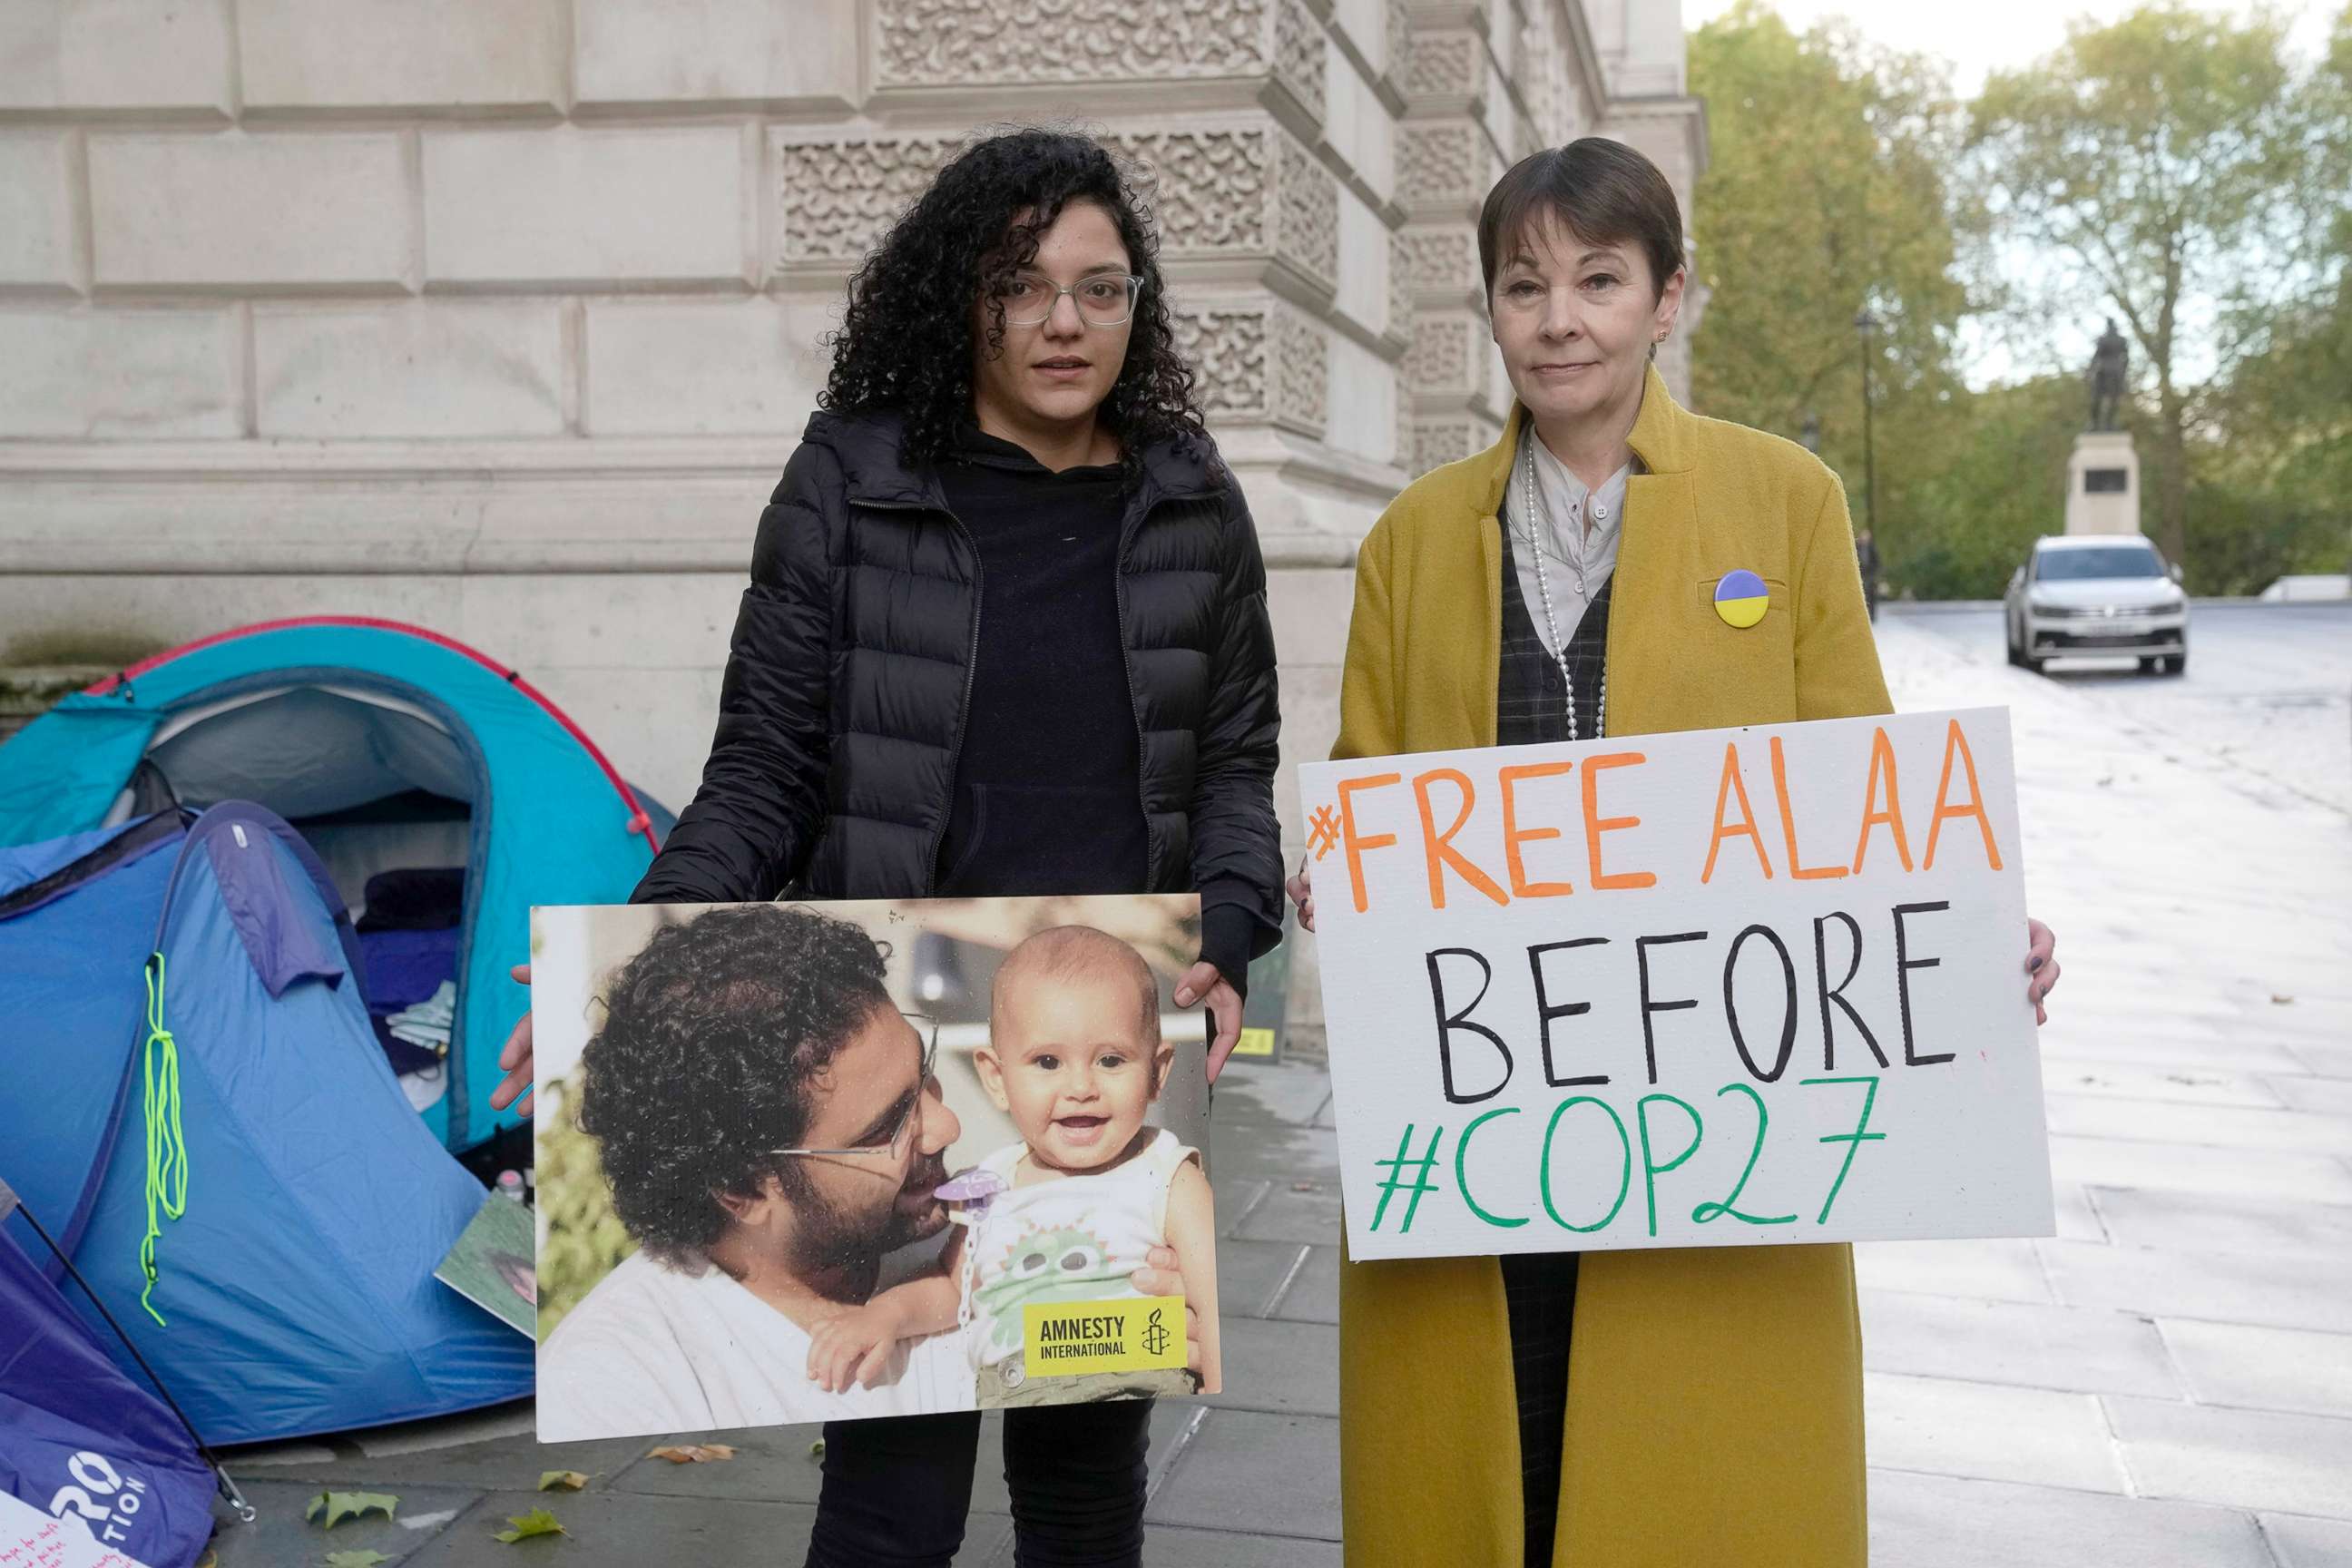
(1988, 35)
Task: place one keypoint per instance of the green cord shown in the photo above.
(167, 1146)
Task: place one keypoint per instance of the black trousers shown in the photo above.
(1540, 1289)
(897, 1491)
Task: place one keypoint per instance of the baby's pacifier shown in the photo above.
(969, 1194)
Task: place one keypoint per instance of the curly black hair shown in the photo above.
(906, 343)
(712, 1036)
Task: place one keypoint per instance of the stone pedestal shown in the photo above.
(2103, 484)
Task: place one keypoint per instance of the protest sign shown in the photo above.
(1726, 987)
(867, 1159)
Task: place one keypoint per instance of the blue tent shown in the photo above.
(189, 1078)
(390, 748)
(80, 1441)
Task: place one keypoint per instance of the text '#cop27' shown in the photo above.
(1794, 1008)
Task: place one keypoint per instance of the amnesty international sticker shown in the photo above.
(1144, 1333)
(1255, 1043)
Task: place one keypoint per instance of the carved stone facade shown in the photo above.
(529, 372)
(1481, 92)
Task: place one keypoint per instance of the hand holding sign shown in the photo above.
(1689, 990)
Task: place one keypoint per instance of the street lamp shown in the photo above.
(1865, 326)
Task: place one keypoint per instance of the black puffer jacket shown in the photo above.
(843, 709)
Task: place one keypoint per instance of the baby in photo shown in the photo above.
(1075, 1056)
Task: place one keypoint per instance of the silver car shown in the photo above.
(2097, 595)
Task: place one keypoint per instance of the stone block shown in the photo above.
(1364, 295)
(1985, 1270)
(401, 54)
(662, 204)
(666, 621)
(2327, 1096)
(1281, 1368)
(1938, 1522)
(2286, 1291)
(154, 374)
(1254, 1275)
(1366, 390)
(1273, 1475)
(2078, 1350)
(2235, 1173)
(1314, 1293)
(1988, 1433)
(2190, 1222)
(234, 211)
(715, 51)
(1309, 610)
(2263, 1369)
(36, 210)
(2204, 1126)
(109, 55)
(654, 725)
(411, 368)
(2240, 1458)
(1225, 1549)
(2309, 1542)
(1286, 1215)
(628, 1529)
(706, 367)
(2063, 1074)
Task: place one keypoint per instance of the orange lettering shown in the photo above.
(1514, 834)
(1595, 825)
(1954, 742)
(1358, 844)
(1803, 873)
(1746, 828)
(1439, 846)
(1882, 763)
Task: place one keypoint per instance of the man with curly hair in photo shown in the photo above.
(727, 1043)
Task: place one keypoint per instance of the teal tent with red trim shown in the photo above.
(389, 747)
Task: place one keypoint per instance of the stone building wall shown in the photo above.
(501, 316)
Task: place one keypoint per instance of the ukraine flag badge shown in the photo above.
(1741, 599)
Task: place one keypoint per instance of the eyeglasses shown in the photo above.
(1103, 301)
(893, 1143)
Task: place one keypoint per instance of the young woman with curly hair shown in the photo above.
(1005, 634)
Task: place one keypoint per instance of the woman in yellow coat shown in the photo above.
(1705, 1411)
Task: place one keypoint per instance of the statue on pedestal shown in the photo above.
(2109, 363)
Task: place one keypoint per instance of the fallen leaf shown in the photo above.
(2279, 1001)
(209, 1560)
(692, 1453)
(562, 1480)
(337, 1507)
(1303, 1186)
(816, 1449)
(355, 1558)
(538, 1521)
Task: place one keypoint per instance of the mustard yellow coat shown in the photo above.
(1713, 1395)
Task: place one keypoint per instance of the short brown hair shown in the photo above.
(1602, 191)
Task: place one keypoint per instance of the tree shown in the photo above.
(2156, 157)
(1824, 192)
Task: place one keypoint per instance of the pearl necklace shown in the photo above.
(1551, 621)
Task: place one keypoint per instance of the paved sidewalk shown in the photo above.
(2166, 1383)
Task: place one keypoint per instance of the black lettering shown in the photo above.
(1903, 965)
(1642, 960)
(1837, 993)
(1787, 1012)
(1545, 1012)
(1447, 1023)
